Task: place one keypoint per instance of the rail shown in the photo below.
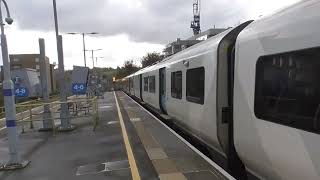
(79, 107)
(36, 101)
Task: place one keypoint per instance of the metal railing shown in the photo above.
(34, 101)
(79, 107)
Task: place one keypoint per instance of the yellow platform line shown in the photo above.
(133, 165)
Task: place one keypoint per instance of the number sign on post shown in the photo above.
(79, 88)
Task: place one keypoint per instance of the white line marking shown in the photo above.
(112, 122)
(135, 119)
(216, 166)
(105, 107)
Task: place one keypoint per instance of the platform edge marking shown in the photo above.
(133, 165)
(212, 163)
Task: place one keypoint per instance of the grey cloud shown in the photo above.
(156, 21)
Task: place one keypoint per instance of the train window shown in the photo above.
(145, 84)
(195, 85)
(176, 84)
(152, 84)
(288, 90)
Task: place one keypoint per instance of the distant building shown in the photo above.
(179, 45)
(32, 61)
(207, 34)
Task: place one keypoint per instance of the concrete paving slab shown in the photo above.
(102, 154)
(60, 156)
(164, 166)
(156, 153)
(172, 176)
(180, 157)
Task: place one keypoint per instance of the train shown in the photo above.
(251, 94)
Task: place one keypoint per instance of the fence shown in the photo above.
(79, 107)
(34, 101)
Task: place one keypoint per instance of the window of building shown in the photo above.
(176, 84)
(15, 60)
(145, 84)
(37, 67)
(195, 85)
(288, 90)
(36, 59)
(152, 84)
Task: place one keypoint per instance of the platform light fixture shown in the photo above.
(83, 42)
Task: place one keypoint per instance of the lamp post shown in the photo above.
(93, 71)
(97, 60)
(92, 50)
(84, 45)
(10, 107)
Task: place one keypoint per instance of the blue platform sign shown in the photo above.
(79, 88)
(21, 92)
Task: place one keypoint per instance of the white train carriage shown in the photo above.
(184, 86)
(251, 91)
(277, 94)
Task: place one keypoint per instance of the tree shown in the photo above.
(151, 58)
(128, 68)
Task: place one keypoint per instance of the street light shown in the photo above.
(10, 107)
(97, 60)
(84, 45)
(92, 50)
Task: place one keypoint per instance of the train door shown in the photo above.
(225, 79)
(129, 85)
(140, 86)
(162, 90)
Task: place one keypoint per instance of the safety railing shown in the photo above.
(79, 107)
(34, 101)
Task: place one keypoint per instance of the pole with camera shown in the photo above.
(15, 161)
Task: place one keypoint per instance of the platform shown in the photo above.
(129, 143)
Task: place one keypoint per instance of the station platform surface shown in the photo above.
(129, 143)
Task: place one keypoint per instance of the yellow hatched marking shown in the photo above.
(133, 165)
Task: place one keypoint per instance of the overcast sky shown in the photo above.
(128, 29)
